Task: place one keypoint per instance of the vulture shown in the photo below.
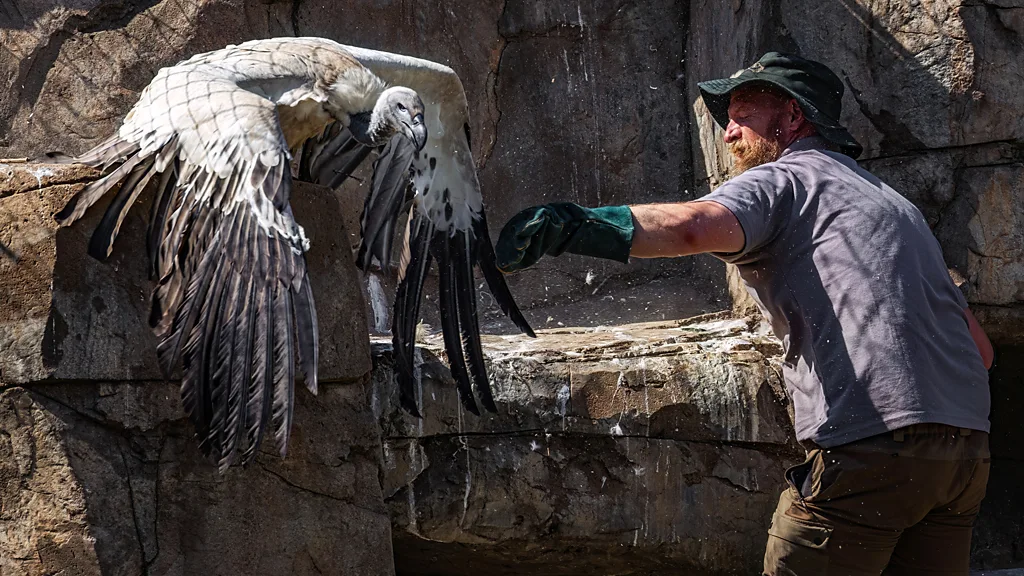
(217, 135)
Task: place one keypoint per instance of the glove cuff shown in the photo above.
(605, 232)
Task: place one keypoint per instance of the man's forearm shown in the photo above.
(684, 228)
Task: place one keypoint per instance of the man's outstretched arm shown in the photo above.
(617, 232)
(685, 228)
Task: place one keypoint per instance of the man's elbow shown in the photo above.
(980, 339)
(988, 354)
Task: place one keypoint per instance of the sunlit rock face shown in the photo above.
(616, 450)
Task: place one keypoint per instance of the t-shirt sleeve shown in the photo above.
(762, 200)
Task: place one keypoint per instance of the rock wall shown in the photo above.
(569, 101)
(99, 470)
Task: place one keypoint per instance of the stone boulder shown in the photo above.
(105, 479)
(636, 449)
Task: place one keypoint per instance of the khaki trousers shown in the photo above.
(899, 503)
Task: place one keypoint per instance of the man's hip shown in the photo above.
(905, 499)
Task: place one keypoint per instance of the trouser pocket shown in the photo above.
(796, 548)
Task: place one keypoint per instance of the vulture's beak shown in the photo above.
(418, 132)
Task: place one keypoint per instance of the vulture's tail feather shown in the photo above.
(495, 279)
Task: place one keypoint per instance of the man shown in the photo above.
(885, 364)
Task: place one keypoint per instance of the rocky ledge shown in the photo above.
(623, 450)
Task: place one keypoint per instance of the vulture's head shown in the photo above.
(401, 111)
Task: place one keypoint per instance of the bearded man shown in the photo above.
(885, 364)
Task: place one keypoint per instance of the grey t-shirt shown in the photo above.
(854, 284)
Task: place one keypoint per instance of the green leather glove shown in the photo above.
(605, 232)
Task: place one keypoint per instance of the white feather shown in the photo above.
(447, 112)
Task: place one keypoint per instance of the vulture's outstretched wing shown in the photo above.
(233, 301)
(446, 221)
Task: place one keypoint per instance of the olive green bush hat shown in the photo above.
(814, 86)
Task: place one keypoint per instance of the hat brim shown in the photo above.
(717, 93)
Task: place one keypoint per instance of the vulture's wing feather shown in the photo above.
(330, 158)
(442, 249)
(383, 205)
(466, 296)
(415, 263)
(233, 301)
(496, 280)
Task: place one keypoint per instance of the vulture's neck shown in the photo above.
(368, 128)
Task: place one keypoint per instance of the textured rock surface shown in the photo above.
(588, 102)
(106, 479)
(65, 315)
(43, 517)
(626, 450)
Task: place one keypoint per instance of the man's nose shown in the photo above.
(732, 132)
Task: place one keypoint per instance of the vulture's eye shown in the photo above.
(401, 107)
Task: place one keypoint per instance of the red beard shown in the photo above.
(754, 153)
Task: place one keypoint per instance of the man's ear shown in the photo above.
(796, 113)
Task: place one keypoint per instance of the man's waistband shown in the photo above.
(900, 435)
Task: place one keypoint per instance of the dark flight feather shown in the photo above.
(384, 202)
(407, 310)
(306, 334)
(86, 197)
(495, 279)
(462, 245)
(102, 241)
(441, 247)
